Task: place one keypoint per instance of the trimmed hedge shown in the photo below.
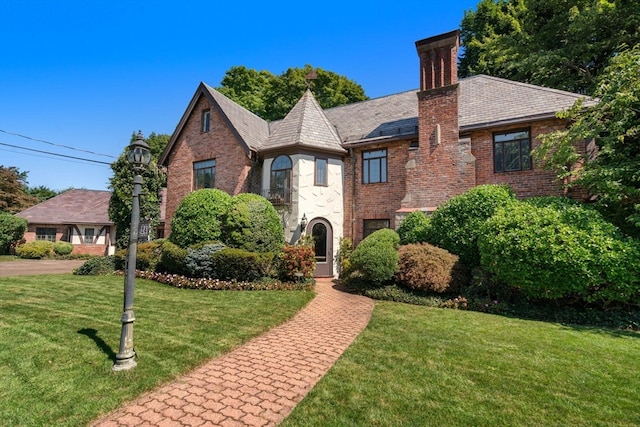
(253, 224)
(456, 224)
(561, 251)
(375, 259)
(425, 267)
(199, 217)
(414, 228)
(172, 259)
(241, 265)
(35, 250)
(62, 248)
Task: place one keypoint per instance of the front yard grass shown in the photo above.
(59, 335)
(420, 366)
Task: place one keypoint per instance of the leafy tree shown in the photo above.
(42, 193)
(121, 185)
(12, 229)
(564, 44)
(614, 124)
(272, 97)
(14, 196)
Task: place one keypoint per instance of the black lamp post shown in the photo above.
(139, 156)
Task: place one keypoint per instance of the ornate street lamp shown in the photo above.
(139, 156)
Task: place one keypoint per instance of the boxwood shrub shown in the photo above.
(241, 265)
(172, 258)
(62, 248)
(375, 260)
(413, 228)
(199, 217)
(456, 224)
(253, 224)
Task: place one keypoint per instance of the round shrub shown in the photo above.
(62, 248)
(199, 217)
(253, 224)
(147, 255)
(35, 250)
(241, 265)
(97, 266)
(456, 224)
(428, 268)
(552, 253)
(297, 263)
(413, 228)
(12, 229)
(199, 260)
(375, 259)
(172, 258)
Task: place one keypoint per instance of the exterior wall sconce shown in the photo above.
(303, 222)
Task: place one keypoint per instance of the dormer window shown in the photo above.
(206, 120)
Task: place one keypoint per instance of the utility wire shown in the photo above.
(54, 144)
(55, 154)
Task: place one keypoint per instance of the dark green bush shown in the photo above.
(375, 259)
(199, 260)
(199, 217)
(253, 224)
(297, 263)
(62, 248)
(12, 229)
(566, 252)
(344, 255)
(35, 250)
(148, 255)
(413, 228)
(172, 259)
(456, 224)
(241, 265)
(428, 268)
(97, 266)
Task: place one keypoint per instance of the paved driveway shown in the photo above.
(26, 267)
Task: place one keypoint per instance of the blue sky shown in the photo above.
(86, 74)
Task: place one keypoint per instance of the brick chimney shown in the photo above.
(443, 165)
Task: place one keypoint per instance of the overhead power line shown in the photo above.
(55, 154)
(56, 145)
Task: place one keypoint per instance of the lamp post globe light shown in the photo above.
(139, 156)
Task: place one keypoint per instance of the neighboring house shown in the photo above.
(80, 217)
(351, 170)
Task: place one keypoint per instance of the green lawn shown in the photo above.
(418, 366)
(59, 335)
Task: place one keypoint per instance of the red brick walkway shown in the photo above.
(259, 383)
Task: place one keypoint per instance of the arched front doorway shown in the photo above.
(320, 230)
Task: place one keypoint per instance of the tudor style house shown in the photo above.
(80, 217)
(350, 170)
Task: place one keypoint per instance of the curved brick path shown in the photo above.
(260, 382)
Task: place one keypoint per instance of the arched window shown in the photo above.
(280, 185)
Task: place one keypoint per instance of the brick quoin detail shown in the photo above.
(220, 143)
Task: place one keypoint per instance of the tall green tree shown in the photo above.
(42, 193)
(121, 185)
(613, 174)
(564, 44)
(14, 195)
(273, 96)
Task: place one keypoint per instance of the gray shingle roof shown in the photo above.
(305, 126)
(71, 207)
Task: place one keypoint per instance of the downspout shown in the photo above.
(353, 195)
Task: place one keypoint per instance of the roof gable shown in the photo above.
(250, 129)
(305, 126)
(71, 207)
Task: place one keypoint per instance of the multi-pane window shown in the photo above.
(44, 233)
(371, 225)
(204, 174)
(88, 235)
(280, 185)
(512, 151)
(321, 171)
(374, 166)
(206, 120)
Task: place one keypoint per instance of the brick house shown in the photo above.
(77, 216)
(350, 170)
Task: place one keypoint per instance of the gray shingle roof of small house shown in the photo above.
(305, 126)
(71, 207)
(484, 102)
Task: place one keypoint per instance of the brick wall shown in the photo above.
(220, 143)
(528, 183)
